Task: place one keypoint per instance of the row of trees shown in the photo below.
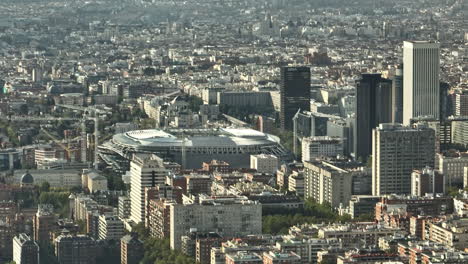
(158, 251)
(279, 221)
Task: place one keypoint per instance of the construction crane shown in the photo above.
(90, 113)
(58, 142)
(45, 118)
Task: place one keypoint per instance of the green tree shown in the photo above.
(158, 250)
(45, 187)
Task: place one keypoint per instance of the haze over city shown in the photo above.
(233, 131)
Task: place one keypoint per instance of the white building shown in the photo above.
(124, 207)
(228, 216)
(264, 163)
(56, 178)
(125, 127)
(327, 183)
(110, 228)
(421, 86)
(25, 250)
(145, 171)
(452, 166)
(296, 183)
(42, 154)
(318, 147)
(93, 181)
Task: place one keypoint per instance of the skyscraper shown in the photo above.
(397, 150)
(373, 107)
(397, 95)
(294, 94)
(25, 250)
(145, 171)
(420, 80)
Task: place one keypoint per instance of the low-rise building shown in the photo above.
(227, 216)
(274, 257)
(453, 233)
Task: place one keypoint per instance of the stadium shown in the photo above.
(192, 146)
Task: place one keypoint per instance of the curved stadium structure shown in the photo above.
(233, 145)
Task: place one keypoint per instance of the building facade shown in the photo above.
(25, 250)
(146, 171)
(326, 183)
(373, 107)
(398, 150)
(294, 93)
(421, 80)
(227, 216)
(264, 163)
(319, 147)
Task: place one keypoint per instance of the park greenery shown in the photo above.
(279, 221)
(158, 251)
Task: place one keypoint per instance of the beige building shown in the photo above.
(396, 151)
(93, 181)
(264, 163)
(356, 235)
(296, 183)
(228, 216)
(319, 147)
(453, 233)
(452, 166)
(325, 182)
(110, 227)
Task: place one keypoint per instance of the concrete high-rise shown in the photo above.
(373, 107)
(294, 93)
(131, 249)
(75, 249)
(43, 223)
(397, 150)
(397, 95)
(25, 250)
(421, 86)
(145, 171)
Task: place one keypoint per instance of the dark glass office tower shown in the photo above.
(295, 93)
(373, 107)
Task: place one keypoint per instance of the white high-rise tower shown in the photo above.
(145, 171)
(421, 87)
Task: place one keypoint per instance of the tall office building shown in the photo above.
(421, 87)
(373, 107)
(145, 171)
(397, 150)
(397, 95)
(25, 250)
(294, 94)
